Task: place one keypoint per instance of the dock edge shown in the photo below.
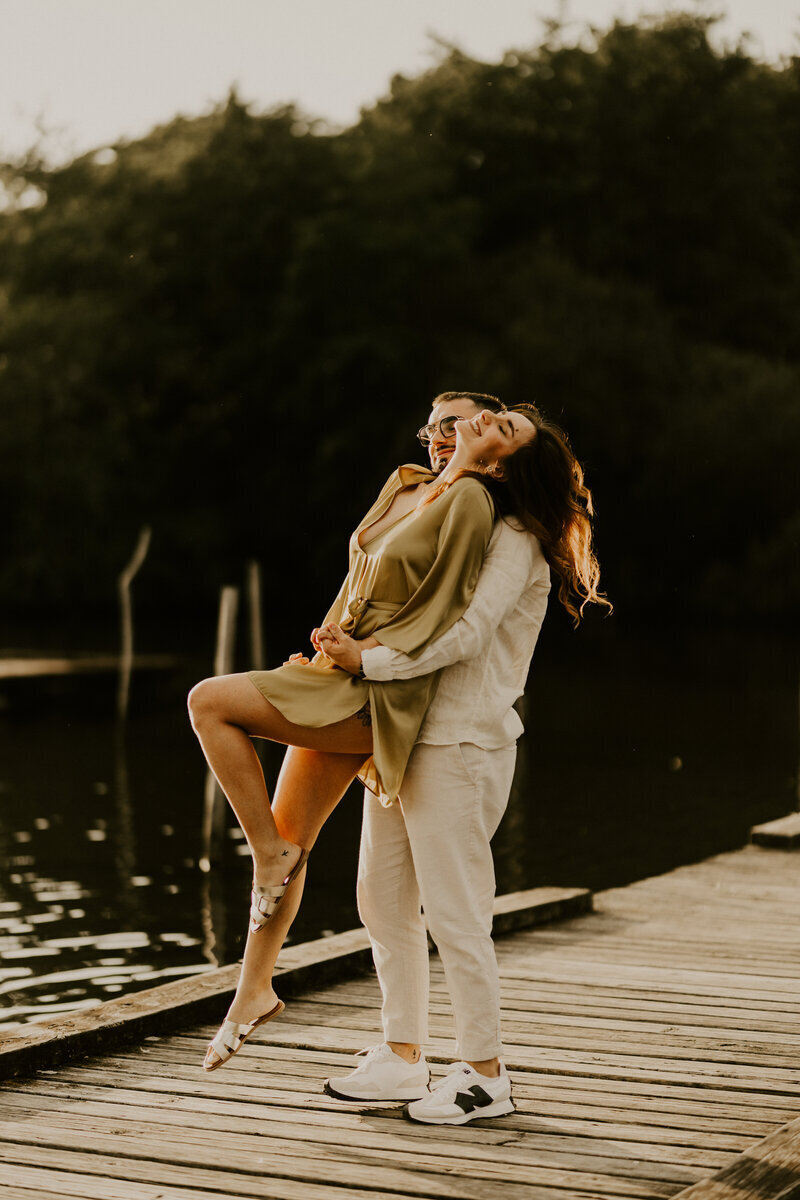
(310, 964)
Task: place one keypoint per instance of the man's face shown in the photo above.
(441, 448)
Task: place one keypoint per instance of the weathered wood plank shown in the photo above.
(649, 1044)
(27, 1182)
(655, 1118)
(202, 996)
(770, 1170)
(595, 990)
(133, 1017)
(360, 1167)
(544, 999)
(650, 979)
(522, 1024)
(784, 833)
(611, 930)
(607, 1070)
(674, 1050)
(716, 1065)
(301, 1074)
(328, 1126)
(692, 1019)
(657, 954)
(719, 898)
(120, 1173)
(631, 1124)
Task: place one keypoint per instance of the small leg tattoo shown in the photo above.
(365, 715)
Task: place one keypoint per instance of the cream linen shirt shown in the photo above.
(486, 653)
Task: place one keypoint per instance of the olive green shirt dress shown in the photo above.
(405, 587)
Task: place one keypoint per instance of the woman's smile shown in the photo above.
(474, 424)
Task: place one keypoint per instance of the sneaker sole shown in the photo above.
(500, 1108)
(400, 1096)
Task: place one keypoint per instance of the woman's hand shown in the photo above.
(339, 647)
(296, 659)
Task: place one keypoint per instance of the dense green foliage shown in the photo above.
(233, 330)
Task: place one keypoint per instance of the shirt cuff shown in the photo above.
(377, 663)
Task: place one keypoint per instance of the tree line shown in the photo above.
(232, 328)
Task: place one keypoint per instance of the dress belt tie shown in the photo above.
(360, 604)
(356, 607)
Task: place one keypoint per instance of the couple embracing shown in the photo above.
(417, 666)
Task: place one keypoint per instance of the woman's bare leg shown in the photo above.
(310, 785)
(227, 712)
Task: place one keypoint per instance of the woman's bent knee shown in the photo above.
(203, 701)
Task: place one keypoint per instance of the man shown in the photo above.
(432, 848)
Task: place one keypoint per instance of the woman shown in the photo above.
(413, 565)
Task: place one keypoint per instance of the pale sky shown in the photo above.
(95, 71)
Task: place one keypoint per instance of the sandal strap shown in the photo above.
(264, 905)
(244, 1027)
(265, 900)
(276, 890)
(229, 1038)
(261, 912)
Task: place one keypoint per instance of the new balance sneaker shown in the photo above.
(463, 1095)
(383, 1075)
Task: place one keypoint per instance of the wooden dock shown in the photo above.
(653, 1045)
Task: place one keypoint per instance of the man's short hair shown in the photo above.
(479, 398)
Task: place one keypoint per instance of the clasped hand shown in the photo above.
(333, 642)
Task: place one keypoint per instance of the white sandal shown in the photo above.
(265, 900)
(231, 1036)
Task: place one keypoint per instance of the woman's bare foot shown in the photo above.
(236, 1029)
(271, 871)
(249, 1005)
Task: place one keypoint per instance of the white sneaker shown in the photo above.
(463, 1095)
(383, 1075)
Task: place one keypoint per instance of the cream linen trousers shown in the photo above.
(431, 848)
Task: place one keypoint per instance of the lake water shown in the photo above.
(641, 753)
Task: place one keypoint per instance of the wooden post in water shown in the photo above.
(255, 621)
(126, 619)
(797, 785)
(215, 804)
(254, 615)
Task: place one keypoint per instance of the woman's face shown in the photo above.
(489, 438)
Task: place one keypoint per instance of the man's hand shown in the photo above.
(341, 649)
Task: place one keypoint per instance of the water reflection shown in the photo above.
(100, 889)
(64, 946)
(94, 933)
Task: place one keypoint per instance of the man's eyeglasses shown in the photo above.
(446, 428)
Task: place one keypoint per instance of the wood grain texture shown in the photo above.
(173, 1005)
(652, 1045)
(783, 833)
(770, 1170)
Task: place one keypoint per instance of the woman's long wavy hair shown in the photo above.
(543, 487)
